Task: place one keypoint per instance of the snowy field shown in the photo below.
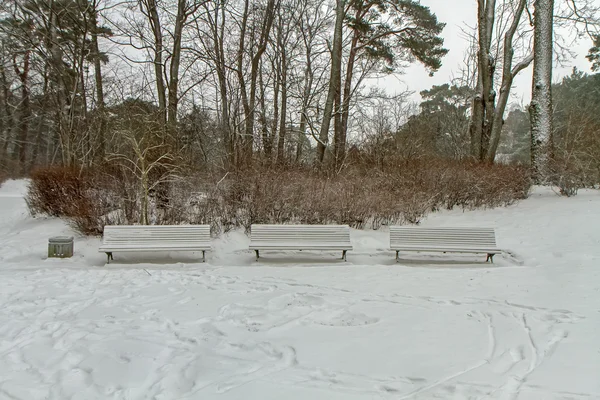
(308, 325)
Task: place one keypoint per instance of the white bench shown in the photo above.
(460, 240)
(300, 237)
(135, 238)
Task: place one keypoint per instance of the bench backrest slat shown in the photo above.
(300, 233)
(122, 234)
(440, 237)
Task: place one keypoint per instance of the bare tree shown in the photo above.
(257, 49)
(334, 80)
(311, 22)
(488, 111)
(509, 72)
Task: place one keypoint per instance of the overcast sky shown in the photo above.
(457, 14)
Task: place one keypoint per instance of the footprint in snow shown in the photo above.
(343, 318)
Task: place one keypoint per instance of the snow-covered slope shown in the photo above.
(307, 325)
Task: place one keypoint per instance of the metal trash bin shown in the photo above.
(60, 246)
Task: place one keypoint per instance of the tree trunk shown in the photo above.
(174, 68)
(334, 80)
(154, 20)
(275, 122)
(41, 128)
(218, 33)
(7, 119)
(508, 75)
(337, 122)
(25, 110)
(307, 90)
(282, 126)
(266, 136)
(340, 137)
(87, 146)
(540, 110)
(240, 159)
(101, 139)
(249, 98)
(267, 22)
(483, 102)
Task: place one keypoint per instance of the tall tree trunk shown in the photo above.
(487, 113)
(337, 121)
(508, 75)
(483, 103)
(341, 135)
(540, 110)
(101, 139)
(61, 123)
(218, 34)
(41, 128)
(308, 79)
(267, 140)
(180, 19)
(87, 146)
(334, 80)
(154, 20)
(275, 122)
(25, 109)
(7, 118)
(307, 36)
(240, 158)
(284, 95)
(250, 102)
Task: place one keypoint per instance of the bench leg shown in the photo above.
(344, 255)
(490, 257)
(109, 257)
(257, 255)
(203, 255)
(397, 251)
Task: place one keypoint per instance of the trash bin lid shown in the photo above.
(61, 239)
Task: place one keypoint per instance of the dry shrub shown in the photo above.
(86, 199)
(58, 192)
(570, 174)
(359, 196)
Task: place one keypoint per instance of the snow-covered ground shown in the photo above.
(308, 325)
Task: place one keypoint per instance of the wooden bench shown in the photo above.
(136, 238)
(460, 240)
(300, 237)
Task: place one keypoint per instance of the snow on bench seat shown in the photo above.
(459, 240)
(300, 237)
(137, 238)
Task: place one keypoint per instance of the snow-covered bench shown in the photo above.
(460, 240)
(300, 237)
(137, 238)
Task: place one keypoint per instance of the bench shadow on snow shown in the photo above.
(153, 258)
(378, 259)
(303, 259)
(447, 262)
(298, 261)
(452, 260)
